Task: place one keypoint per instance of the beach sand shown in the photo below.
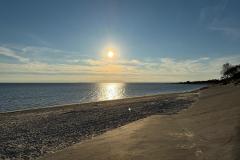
(209, 129)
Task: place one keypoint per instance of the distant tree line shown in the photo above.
(211, 81)
(229, 73)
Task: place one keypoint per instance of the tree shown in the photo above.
(230, 71)
(225, 68)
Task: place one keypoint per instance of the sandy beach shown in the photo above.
(209, 129)
(33, 133)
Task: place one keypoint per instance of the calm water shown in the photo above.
(25, 96)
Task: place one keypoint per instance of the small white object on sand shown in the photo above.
(129, 109)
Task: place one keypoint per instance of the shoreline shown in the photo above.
(47, 130)
(92, 103)
(209, 129)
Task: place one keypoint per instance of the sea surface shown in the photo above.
(34, 95)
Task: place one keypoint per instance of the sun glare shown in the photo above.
(110, 54)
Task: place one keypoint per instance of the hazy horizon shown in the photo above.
(76, 41)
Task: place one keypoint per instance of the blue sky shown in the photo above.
(155, 40)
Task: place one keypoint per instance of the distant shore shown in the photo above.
(208, 82)
(35, 132)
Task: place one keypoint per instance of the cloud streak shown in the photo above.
(216, 19)
(129, 70)
(229, 31)
(12, 54)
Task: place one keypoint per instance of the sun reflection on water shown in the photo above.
(110, 91)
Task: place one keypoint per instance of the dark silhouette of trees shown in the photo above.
(230, 71)
(225, 69)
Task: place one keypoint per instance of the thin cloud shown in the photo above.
(164, 69)
(215, 19)
(229, 31)
(41, 54)
(10, 53)
(213, 14)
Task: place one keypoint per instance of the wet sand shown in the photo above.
(208, 130)
(31, 134)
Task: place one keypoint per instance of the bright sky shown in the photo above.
(117, 40)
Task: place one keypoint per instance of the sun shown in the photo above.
(110, 54)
